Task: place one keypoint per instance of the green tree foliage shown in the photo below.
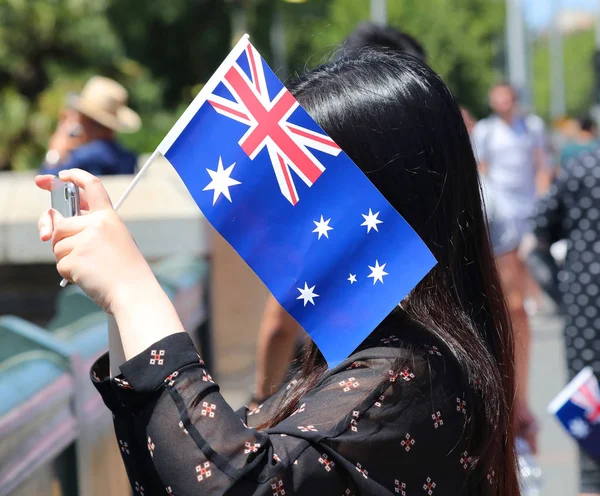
(45, 48)
(164, 50)
(579, 75)
(460, 37)
(159, 50)
(179, 43)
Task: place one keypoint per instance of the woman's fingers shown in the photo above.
(63, 248)
(65, 268)
(67, 227)
(95, 195)
(46, 225)
(44, 181)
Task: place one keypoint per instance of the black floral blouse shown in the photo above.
(388, 420)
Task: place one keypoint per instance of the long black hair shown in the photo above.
(401, 125)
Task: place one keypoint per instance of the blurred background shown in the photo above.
(55, 435)
(163, 51)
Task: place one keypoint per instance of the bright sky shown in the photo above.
(538, 12)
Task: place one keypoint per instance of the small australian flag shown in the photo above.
(577, 407)
(326, 243)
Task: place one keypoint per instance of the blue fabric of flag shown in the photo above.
(282, 242)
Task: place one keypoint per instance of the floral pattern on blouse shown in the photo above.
(390, 419)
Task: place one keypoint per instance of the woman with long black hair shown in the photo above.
(423, 406)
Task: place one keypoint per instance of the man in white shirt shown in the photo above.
(513, 159)
(512, 152)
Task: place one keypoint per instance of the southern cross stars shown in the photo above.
(307, 294)
(371, 221)
(221, 181)
(377, 272)
(323, 227)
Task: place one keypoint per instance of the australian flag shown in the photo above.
(326, 243)
(577, 407)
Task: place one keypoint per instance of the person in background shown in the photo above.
(512, 153)
(571, 211)
(280, 337)
(513, 160)
(585, 139)
(85, 136)
(279, 341)
(422, 406)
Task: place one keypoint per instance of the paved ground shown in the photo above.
(557, 455)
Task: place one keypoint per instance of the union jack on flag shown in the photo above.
(577, 407)
(326, 243)
(288, 144)
(588, 398)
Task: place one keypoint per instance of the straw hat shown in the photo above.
(105, 101)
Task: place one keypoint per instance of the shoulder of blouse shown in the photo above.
(397, 352)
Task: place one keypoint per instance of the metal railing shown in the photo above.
(53, 424)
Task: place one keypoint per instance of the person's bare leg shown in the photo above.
(533, 292)
(275, 349)
(513, 278)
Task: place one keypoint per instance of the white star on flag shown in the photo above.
(579, 428)
(352, 278)
(307, 294)
(221, 181)
(377, 272)
(322, 227)
(371, 221)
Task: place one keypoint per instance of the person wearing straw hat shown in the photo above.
(85, 136)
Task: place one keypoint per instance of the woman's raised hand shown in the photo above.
(94, 250)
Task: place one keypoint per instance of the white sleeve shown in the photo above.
(538, 131)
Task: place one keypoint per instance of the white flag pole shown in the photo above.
(136, 179)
